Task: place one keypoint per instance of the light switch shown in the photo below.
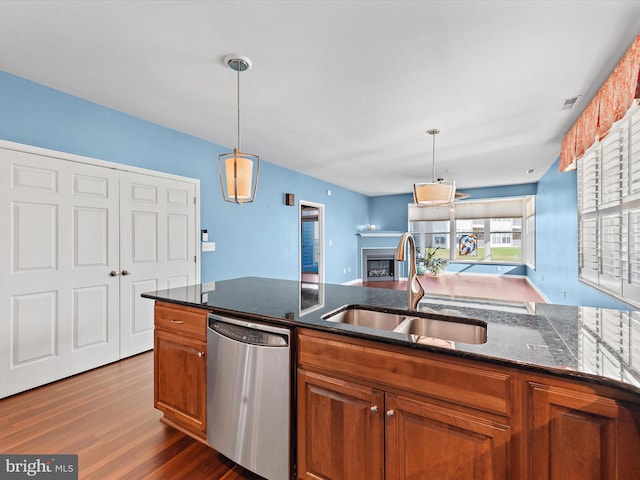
(208, 246)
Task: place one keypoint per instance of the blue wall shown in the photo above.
(557, 243)
(262, 238)
(390, 212)
(255, 239)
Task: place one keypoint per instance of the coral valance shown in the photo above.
(608, 106)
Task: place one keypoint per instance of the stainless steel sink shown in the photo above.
(462, 332)
(420, 327)
(354, 315)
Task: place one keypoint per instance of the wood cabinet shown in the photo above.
(450, 418)
(425, 440)
(579, 434)
(370, 410)
(361, 416)
(340, 429)
(180, 367)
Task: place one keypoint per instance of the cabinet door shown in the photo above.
(180, 386)
(59, 243)
(428, 441)
(340, 429)
(158, 244)
(582, 436)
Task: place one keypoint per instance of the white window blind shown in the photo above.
(428, 213)
(500, 208)
(631, 267)
(634, 154)
(609, 211)
(614, 156)
(588, 168)
(588, 249)
(611, 250)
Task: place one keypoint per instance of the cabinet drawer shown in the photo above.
(454, 380)
(179, 319)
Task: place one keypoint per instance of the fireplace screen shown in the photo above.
(380, 268)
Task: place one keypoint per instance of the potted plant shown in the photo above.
(434, 264)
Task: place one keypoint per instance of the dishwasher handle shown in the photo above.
(251, 336)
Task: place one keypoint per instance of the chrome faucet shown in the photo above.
(415, 291)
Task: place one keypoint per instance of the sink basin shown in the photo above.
(420, 327)
(463, 332)
(355, 315)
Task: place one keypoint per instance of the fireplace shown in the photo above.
(379, 265)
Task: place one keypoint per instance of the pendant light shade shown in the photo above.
(442, 192)
(438, 192)
(238, 171)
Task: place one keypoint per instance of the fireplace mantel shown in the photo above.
(380, 234)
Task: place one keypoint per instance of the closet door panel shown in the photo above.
(157, 248)
(58, 301)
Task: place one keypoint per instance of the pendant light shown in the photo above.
(438, 192)
(238, 170)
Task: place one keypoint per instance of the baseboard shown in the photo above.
(482, 274)
(538, 291)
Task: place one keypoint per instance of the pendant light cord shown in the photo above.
(433, 158)
(238, 85)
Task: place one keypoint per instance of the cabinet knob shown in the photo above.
(177, 322)
(374, 409)
(114, 273)
(390, 413)
(126, 272)
(200, 354)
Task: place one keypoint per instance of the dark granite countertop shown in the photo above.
(597, 345)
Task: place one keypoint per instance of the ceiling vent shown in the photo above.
(569, 103)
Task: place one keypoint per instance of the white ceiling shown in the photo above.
(343, 91)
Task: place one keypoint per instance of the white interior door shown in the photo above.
(157, 249)
(58, 302)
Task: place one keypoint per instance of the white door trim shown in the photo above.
(321, 253)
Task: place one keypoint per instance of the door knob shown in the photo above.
(126, 272)
(114, 273)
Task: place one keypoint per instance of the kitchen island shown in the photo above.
(554, 393)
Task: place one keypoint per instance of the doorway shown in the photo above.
(311, 249)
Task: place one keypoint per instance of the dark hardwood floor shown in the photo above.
(106, 416)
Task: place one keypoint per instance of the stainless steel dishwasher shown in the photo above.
(248, 394)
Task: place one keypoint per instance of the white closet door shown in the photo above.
(157, 249)
(59, 311)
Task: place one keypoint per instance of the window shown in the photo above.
(485, 231)
(432, 235)
(530, 231)
(470, 240)
(609, 211)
